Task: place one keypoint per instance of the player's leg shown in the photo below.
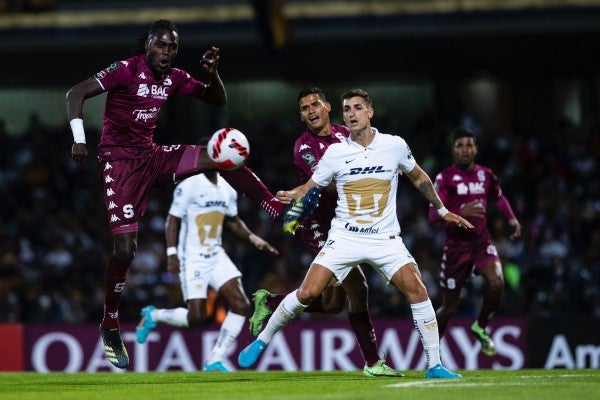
(188, 160)
(449, 307)
(248, 184)
(357, 291)
(394, 262)
(408, 280)
(225, 278)
(332, 300)
(115, 275)
(492, 273)
(193, 315)
(317, 279)
(455, 269)
(239, 308)
(125, 186)
(313, 233)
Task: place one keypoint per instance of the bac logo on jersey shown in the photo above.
(472, 188)
(367, 170)
(310, 159)
(157, 92)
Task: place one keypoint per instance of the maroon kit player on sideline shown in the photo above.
(131, 163)
(466, 188)
(308, 150)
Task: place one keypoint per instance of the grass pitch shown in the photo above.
(481, 385)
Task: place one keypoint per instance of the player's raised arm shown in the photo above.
(287, 196)
(75, 98)
(215, 93)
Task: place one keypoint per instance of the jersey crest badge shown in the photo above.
(105, 71)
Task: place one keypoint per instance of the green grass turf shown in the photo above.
(481, 385)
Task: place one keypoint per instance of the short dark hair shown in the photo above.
(461, 133)
(312, 90)
(358, 93)
(139, 46)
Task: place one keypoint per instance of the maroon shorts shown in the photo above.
(460, 260)
(128, 180)
(314, 233)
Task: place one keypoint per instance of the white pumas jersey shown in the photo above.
(367, 182)
(202, 207)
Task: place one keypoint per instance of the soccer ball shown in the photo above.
(228, 148)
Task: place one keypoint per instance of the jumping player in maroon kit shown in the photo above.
(129, 161)
(308, 150)
(465, 188)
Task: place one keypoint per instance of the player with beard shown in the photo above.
(129, 161)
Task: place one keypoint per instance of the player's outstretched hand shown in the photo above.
(210, 60)
(262, 244)
(79, 152)
(458, 220)
(517, 233)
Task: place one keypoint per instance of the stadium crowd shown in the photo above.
(54, 236)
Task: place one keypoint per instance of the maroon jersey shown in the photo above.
(456, 187)
(129, 160)
(308, 150)
(135, 96)
(466, 250)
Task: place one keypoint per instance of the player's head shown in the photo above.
(160, 45)
(314, 110)
(464, 147)
(357, 109)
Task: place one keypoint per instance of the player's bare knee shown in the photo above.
(305, 296)
(124, 255)
(240, 307)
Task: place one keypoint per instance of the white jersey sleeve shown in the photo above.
(406, 162)
(327, 166)
(182, 196)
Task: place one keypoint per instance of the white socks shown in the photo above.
(426, 325)
(171, 316)
(287, 310)
(231, 328)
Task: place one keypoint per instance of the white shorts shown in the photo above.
(342, 252)
(212, 269)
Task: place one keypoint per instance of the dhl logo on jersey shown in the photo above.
(366, 170)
